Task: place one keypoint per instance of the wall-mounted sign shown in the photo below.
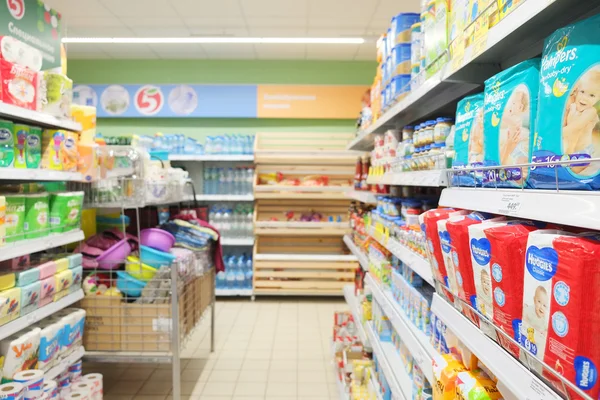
(33, 22)
(221, 101)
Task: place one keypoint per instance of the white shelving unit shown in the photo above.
(432, 178)
(363, 196)
(574, 208)
(37, 118)
(63, 364)
(355, 309)
(29, 246)
(512, 375)
(362, 258)
(415, 340)
(414, 261)
(391, 364)
(233, 292)
(23, 322)
(225, 197)
(237, 241)
(212, 157)
(304, 257)
(42, 175)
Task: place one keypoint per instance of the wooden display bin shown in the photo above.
(102, 323)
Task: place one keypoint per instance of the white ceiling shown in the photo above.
(182, 18)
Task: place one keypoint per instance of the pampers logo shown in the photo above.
(586, 374)
(480, 250)
(445, 241)
(541, 263)
(560, 56)
(467, 115)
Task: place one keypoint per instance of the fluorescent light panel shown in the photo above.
(237, 40)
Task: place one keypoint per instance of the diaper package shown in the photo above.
(447, 255)
(30, 297)
(507, 248)
(20, 352)
(19, 85)
(10, 305)
(468, 140)
(560, 322)
(17, 52)
(568, 116)
(509, 117)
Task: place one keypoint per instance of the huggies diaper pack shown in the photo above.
(510, 111)
(468, 139)
(568, 113)
(447, 247)
(507, 248)
(560, 321)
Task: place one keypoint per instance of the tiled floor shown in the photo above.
(267, 349)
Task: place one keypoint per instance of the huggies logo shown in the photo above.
(541, 263)
(586, 374)
(480, 250)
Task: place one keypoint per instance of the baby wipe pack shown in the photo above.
(468, 140)
(568, 116)
(560, 323)
(509, 117)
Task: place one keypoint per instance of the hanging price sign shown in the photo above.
(510, 204)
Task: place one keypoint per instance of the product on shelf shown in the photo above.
(20, 86)
(57, 94)
(238, 274)
(510, 111)
(228, 181)
(468, 140)
(232, 222)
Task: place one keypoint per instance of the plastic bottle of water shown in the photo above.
(219, 180)
(226, 223)
(249, 224)
(240, 273)
(230, 269)
(249, 273)
(207, 180)
(218, 219)
(209, 145)
(220, 280)
(230, 181)
(249, 181)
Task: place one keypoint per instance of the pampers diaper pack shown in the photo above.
(568, 116)
(468, 139)
(560, 322)
(510, 111)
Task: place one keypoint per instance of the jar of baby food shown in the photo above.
(407, 132)
(442, 129)
(428, 132)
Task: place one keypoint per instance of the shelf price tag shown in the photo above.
(538, 391)
(510, 204)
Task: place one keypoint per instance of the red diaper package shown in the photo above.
(19, 85)
(460, 257)
(429, 226)
(560, 322)
(507, 248)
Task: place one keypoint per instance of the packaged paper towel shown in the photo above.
(57, 94)
(17, 52)
(49, 344)
(20, 352)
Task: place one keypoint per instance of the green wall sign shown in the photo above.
(33, 22)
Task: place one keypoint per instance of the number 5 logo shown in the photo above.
(149, 100)
(16, 8)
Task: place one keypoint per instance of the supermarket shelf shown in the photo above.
(414, 261)
(301, 228)
(129, 357)
(233, 292)
(304, 257)
(415, 340)
(355, 309)
(433, 178)
(211, 157)
(391, 365)
(363, 196)
(516, 37)
(42, 175)
(75, 356)
(237, 241)
(515, 378)
(297, 195)
(15, 113)
(361, 257)
(300, 292)
(374, 385)
(23, 322)
(225, 197)
(29, 246)
(577, 208)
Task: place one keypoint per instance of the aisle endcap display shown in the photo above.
(520, 382)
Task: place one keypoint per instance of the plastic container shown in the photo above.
(115, 255)
(155, 258)
(401, 27)
(128, 285)
(401, 59)
(139, 270)
(157, 239)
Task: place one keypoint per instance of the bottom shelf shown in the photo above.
(233, 292)
(299, 292)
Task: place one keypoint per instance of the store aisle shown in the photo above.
(267, 349)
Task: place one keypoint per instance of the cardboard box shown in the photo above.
(102, 323)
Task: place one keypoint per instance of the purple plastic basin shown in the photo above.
(157, 239)
(115, 255)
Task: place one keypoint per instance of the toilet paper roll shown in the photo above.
(76, 367)
(96, 381)
(77, 395)
(83, 387)
(63, 380)
(33, 380)
(12, 391)
(50, 389)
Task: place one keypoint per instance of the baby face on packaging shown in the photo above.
(588, 92)
(517, 103)
(540, 302)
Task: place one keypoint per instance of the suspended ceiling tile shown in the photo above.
(278, 32)
(282, 22)
(180, 31)
(331, 51)
(87, 56)
(128, 50)
(366, 52)
(140, 8)
(215, 31)
(152, 22)
(386, 9)
(208, 8)
(80, 8)
(100, 22)
(179, 51)
(331, 23)
(341, 9)
(281, 51)
(229, 51)
(274, 8)
(335, 32)
(216, 22)
(91, 31)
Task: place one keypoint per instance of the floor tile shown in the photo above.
(218, 389)
(253, 376)
(224, 376)
(314, 389)
(126, 387)
(275, 388)
(250, 389)
(156, 388)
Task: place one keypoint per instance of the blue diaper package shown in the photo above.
(509, 118)
(568, 109)
(468, 140)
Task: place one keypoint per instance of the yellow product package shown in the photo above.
(445, 371)
(52, 143)
(476, 385)
(69, 151)
(505, 7)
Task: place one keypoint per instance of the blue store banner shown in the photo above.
(169, 101)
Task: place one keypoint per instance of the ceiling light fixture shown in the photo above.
(229, 40)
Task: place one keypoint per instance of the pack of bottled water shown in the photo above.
(229, 181)
(234, 144)
(232, 222)
(238, 273)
